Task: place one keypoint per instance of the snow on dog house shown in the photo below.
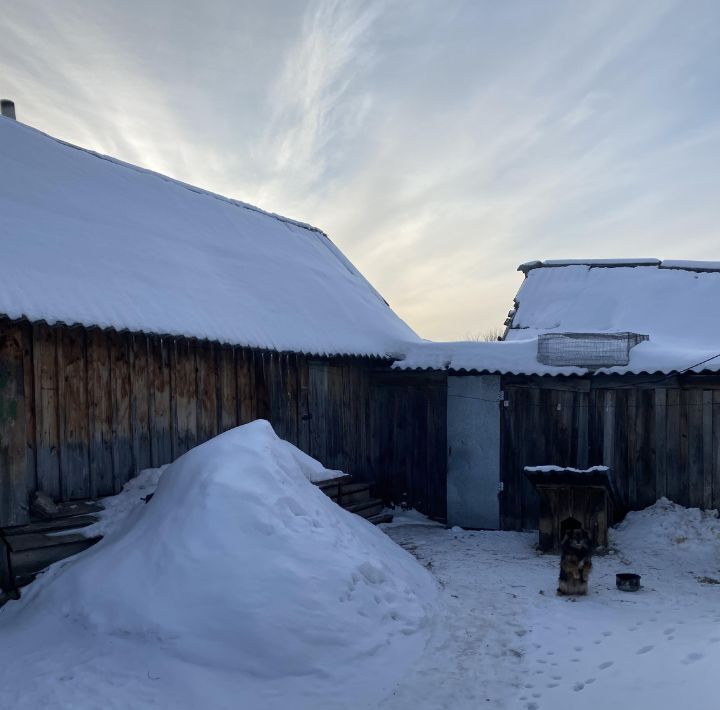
(633, 383)
(140, 316)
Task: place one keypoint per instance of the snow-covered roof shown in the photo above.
(676, 303)
(90, 240)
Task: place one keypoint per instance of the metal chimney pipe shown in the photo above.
(7, 108)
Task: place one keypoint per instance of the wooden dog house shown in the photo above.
(571, 498)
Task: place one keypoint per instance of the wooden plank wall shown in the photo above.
(661, 438)
(408, 427)
(101, 406)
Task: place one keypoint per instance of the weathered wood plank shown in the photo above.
(184, 400)
(684, 467)
(159, 386)
(99, 414)
(707, 466)
(45, 378)
(645, 454)
(30, 423)
(661, 449)
(227, 384)
(672, 436)
(303, 411)
(245, 385)
(13, 437)
(716, 449)
(140, 402)
(631, 426)
(207, 423)
(73, 411)
(260, 390)
(695, 449)
(121, 406)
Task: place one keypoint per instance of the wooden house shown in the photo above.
(613, 363)
(140, 316)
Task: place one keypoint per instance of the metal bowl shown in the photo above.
(627, 582)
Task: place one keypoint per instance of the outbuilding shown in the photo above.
(603, 363)
(140, 316)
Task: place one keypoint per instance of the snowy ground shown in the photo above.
(240, 585)
(503, 639)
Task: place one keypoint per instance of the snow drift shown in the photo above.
(240, 565)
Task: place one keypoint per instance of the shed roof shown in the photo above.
(90, 240)
(676, 303)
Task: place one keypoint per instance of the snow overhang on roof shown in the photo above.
(676, 303)
(93, 241)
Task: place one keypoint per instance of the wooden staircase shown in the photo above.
(355, 498)
(28, 549)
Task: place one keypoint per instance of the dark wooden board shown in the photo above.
(45, 379)
(159, 385)
(121, 407)
(140, 402)
(207, 403)
(99, 414)
(13, 438)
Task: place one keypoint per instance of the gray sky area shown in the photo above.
(439, 143)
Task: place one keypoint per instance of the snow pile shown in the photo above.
(117, 508)
(91, 240)
(688, 539)
(238, 567)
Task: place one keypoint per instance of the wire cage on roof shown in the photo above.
(590, 350)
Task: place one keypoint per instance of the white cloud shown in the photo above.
(439, 144)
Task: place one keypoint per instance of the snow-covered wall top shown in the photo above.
(676, 303)
(93, 241)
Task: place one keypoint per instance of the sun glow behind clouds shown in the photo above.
(438, 144)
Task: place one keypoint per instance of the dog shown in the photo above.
(575, 563)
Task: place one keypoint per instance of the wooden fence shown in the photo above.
(82, 411)
(660, 436)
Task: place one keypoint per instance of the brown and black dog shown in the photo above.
(575, 563)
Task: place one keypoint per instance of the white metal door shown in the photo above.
(473, 429)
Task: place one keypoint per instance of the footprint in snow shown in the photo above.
(532, 706)
(552, 685)
(644, 649)
(692, 658)
(668, 632)
(578, 648)
(578, 687)
(589, 680)
(605, 664)
(607, 633)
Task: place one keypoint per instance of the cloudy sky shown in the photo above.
(438, 142)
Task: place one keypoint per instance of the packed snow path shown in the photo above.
(505, 640)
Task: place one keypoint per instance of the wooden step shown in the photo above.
(367, 508)
(73, 508)
(353, 497)
(331, 482)
(52, 525)
(33, 552)
(380, 518)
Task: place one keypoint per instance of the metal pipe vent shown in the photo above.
(7, 108)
